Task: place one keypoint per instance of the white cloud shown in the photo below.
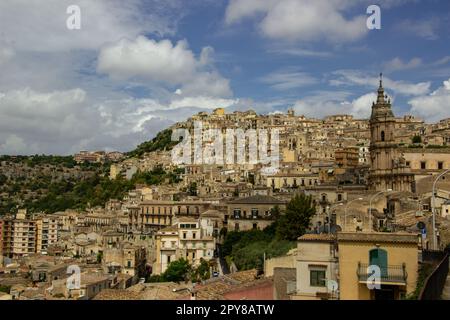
(147, 58)
(434, 106)
(331, 103)
(300, 52)
(203, 102)
(397, 64)
(163, 62)
(36, 25)
(288, 79)
(64, 122)
(300, 20)
(426, 29)
(351, 77)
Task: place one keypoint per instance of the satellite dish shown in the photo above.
(332, 285)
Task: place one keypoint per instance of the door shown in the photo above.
(378, 257)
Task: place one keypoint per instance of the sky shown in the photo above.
(135, 67)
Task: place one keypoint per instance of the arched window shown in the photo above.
(383, 137)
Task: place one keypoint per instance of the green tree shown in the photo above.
(193, 189)
(202, 272)
(297, 218)
(177, 271)
(417, 139)
(3, 179)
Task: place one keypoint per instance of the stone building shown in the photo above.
(252, 212)
(389, 170)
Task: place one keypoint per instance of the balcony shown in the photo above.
(390, 275)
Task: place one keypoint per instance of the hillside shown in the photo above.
(53, 183)
(161, 142)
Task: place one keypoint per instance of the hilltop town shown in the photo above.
(365, 183)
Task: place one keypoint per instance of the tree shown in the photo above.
(417, 139)
(177, 271)
(297, 218)
(193, 189)
(202, 271)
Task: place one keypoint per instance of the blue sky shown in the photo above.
(136, 67)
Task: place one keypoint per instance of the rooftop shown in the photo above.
(385, 237)
(317, 237)
(257, 199)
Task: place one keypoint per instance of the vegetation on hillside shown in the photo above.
(162, 141)
(36, 160)
(247, 248)
(51, 195)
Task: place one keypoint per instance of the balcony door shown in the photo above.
(378, 257)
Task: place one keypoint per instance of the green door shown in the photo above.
(378, 257)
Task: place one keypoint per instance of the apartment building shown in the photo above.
(154, 214)
(19, 235)
(46, 233)
(185, 239)
(23, 236)
(254, 212)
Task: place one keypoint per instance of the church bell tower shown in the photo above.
(388, 168)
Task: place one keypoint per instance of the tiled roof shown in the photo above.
(117, 294)
(257, 199)
(317, 237)
(377, 237)
(216, 288)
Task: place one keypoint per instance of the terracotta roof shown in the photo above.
(317, 237)
(377, 237)
(214, 289)
(117, 294)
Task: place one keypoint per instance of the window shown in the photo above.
(339, 197)
(440, 165)
(237, 213)
(255, 213)
(317, 278)
(383, 136)
(423, 165)
(184, 235)
(193, 235)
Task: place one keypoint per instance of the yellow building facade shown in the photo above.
(396, 254)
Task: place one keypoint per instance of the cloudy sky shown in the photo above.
(137, 66)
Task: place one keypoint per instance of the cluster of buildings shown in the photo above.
(370, 180)
(97, 156)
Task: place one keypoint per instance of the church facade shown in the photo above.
(389, 169)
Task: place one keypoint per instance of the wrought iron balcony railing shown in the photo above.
(388, 275)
